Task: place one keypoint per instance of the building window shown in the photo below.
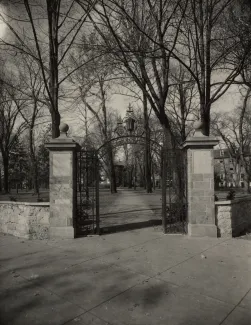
(221, 176)
(221, 153)
(242, 176)
(221, 161)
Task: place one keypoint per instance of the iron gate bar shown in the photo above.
(175, 187)
(97, 194)
(176, 208)
(86, 217)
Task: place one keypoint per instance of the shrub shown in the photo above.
(231, 195)
(13, 198)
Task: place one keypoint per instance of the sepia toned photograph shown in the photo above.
(125, 162)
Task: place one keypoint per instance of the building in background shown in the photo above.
(229, 171)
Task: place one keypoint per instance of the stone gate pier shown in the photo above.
(62, 184)
(200, 184)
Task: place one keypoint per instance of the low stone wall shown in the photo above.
(26, 220)
(233, 217)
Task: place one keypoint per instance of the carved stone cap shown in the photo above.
(199, 140)
(63, 142)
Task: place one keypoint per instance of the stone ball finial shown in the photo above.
(63, 128)
(198, 127)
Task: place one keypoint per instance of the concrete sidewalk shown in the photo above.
(137, 277)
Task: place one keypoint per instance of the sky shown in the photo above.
(2, 27)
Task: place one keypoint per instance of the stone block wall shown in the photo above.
(233, 217)
(26, 220)
(200, 186)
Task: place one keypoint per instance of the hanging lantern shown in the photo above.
(120, 129)
(130, 124)
(130, 120)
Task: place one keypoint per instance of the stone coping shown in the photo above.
(235, 201)
(200, 142)
(44, 204)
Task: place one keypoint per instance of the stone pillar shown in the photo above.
(62, 184)
(200, 184)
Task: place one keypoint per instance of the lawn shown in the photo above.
(24, 196)
(107, 199)
(239, 193)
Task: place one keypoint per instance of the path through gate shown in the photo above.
(88, 216)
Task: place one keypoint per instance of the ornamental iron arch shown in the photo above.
(129, 139)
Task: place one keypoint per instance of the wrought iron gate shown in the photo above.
(87, 205)
(176, 193)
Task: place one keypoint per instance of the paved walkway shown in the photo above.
(129, 207)
(140, 277)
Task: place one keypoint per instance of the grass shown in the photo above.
(106, 198)
(239, 193)
(23, 196)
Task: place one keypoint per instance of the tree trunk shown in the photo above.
(242, 138)
(1, 180)
(205, 118)
(33, 163)
(52, 11)
(55, 124)
(130, 177)
(164, 178)
(141, 176)
(148, 175)
(154, 185)
(147, 148)
(6, 173)
(183, 110)
(135, 175)
(113, 185)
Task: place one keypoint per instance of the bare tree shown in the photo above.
(135, 34)
(239, 26)
(25, 22)
(234, 129)
(200, 43)
(92, 84)
(205, 49)
(10, 128)
(182, 104)
(131, 90)
(29, 107)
